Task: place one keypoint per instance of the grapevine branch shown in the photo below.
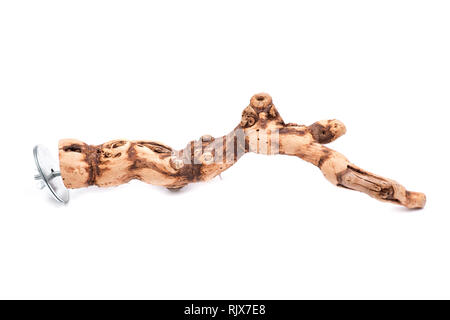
(261, 130)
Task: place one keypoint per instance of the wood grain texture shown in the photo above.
(261, 130)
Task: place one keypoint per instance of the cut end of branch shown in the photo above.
(415, 200)
(326, 131)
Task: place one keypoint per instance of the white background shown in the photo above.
(273, 227)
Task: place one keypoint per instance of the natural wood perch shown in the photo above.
(261, 130)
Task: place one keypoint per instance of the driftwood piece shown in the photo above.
(261, 130)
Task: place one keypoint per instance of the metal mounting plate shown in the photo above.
(49, 174)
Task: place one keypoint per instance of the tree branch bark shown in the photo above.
(261, 130)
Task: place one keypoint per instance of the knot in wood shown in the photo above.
(249, 117)
(176, 163)
(207, 138)
(261, 101)
(207, 158)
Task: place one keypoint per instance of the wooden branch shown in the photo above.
(261, 130)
